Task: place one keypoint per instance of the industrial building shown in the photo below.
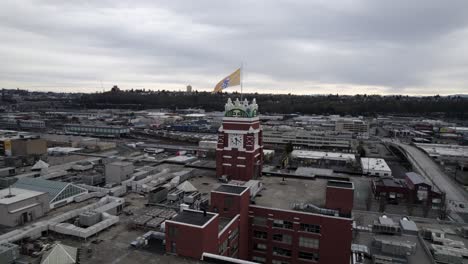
(446, 153)
(32, 124)
(22, 145)
(235, 228)
(59, 193)
(93, 130)
(351, 125)
(375, 167)
(267, 222)
(309, 139)
(316, 157)
(19, 206)
(413, 189)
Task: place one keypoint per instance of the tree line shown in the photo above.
(367, 105)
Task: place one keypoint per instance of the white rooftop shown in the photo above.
(309, 154)
(374, 164)
(18, 195)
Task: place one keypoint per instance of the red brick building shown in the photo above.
(239, 153)
(235, 228)
(414, 188)
(240, 226)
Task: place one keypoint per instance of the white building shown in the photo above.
(375, 167)
(19, 206)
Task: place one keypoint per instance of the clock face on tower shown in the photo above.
(236, 140)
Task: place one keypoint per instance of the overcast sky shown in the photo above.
(416, 47)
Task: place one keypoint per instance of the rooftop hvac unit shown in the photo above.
(175, 195)
(428, 233)
(157, 195)
(381, 259)
(395, 248)
(89, 218)
(192, 197)
(184, 207)
(386, 229)
(8, 253)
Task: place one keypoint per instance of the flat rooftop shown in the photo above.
(340, 184)
(121, 163)
(444, 150)
(226, 188)
(192, 217)
(309, 154)
(18, 195)
(375, 164)
(283, 195)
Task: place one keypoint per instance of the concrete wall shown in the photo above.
(10, 217)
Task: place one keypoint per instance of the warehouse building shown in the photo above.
(351, 125)
(93, 130)
(308, 157)
(59, 193)
(19, 206)
(21, 145)
(375, 167)
(309, 139)
(414, 188)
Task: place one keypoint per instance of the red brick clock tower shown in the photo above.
(239, 153)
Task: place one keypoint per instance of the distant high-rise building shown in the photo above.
(189, 88)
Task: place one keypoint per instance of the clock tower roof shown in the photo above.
(244, 109)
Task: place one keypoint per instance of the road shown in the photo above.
(455, 194)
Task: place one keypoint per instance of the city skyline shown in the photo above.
(299, 47)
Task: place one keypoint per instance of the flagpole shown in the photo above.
(241, 78)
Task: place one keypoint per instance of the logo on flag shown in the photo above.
(225, 83)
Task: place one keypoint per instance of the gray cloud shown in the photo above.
(412, 47)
